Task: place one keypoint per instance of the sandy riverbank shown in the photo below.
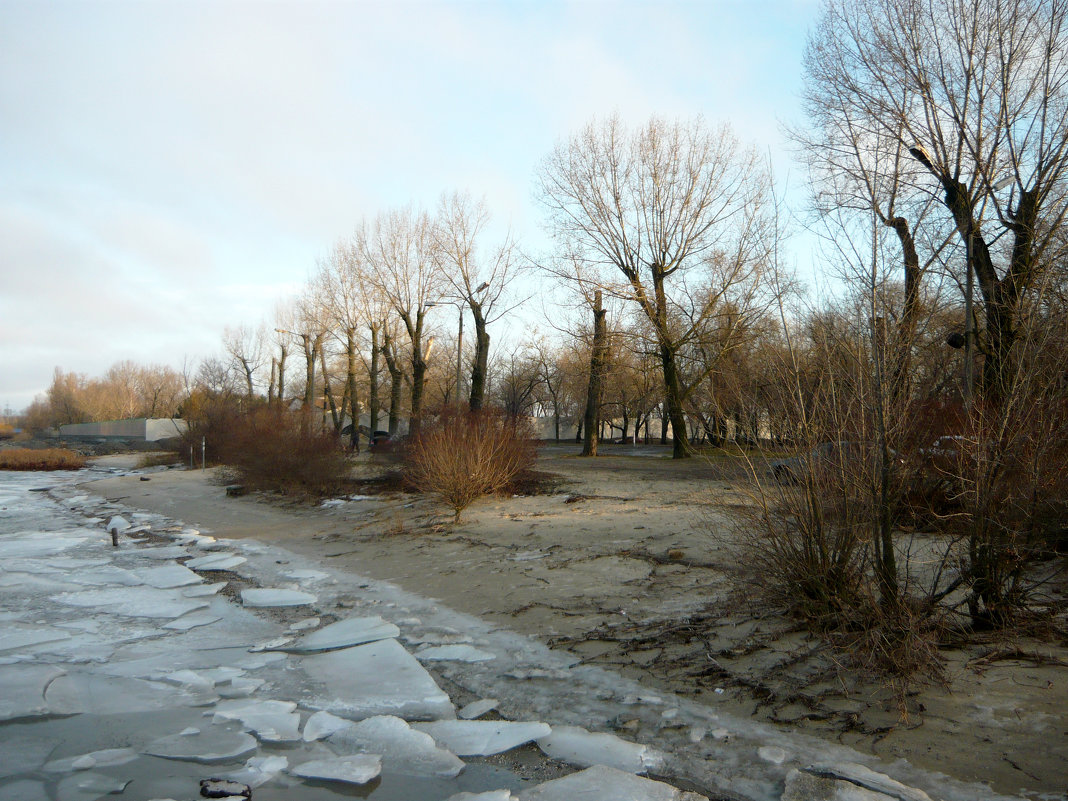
(632, 565)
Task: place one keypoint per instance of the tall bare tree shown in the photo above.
(398, 247)
(976, 91)
(477, 276)
(674, 217)
(244, 345)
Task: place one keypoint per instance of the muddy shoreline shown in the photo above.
(633, 564)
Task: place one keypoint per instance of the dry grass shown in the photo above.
(40, 459)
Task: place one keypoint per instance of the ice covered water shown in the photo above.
(354, 769)
(214, 744)
(403, 749)
(482, 737)
(23, 689)
(270, 721)
(577, 746)
(344, 633)
(454, 653)
(380, 678)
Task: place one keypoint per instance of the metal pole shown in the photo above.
(459, 353)
(203, 453)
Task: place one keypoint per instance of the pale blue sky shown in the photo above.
(171, 168)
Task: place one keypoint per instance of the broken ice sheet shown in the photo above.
(258, 770)
(380, 678)
(203, 590)
(219, 560)
(132, 602)
(36, 545)
(601, 782)
(355, 769)
(454, 653)
(18, 638)
(201, 617)
(483, 737)
(402, 748)
(94, 759)
(577, 746)
(23, 790)
(23, 689)
(89, 787)
(275, 596)
(271, 721)
(215, 744)
(108, 695)
(344, 633)
(477, 709)
(492, 795)
(323, 724)
(168, 577)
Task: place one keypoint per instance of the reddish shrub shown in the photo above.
(464, 455)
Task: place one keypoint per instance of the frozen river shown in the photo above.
(140, 669)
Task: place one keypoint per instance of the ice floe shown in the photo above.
(168, 577)
(354, 769)
(600, 783)
(132, 601)
(477, 709)
(24, 688)
(402, 748)
(454, 653)
(275, 596)
(213, 745)
(271, 721)
(323, 724)
(343, 634)
(578, 746)
(219, 560)
(380, 678)
(483, 737)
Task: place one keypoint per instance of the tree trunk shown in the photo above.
(373, 402)
(396, 378)
(591, 420)
(680, 444)
(282, 376)
(478, 370)
(354, 403)
(328, 394)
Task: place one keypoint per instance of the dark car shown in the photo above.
(824, 457)
(383, 442)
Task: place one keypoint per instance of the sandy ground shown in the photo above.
(632, 563)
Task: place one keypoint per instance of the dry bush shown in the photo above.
(272, 448)
(7, 431)
(40, 459)
(464, 455)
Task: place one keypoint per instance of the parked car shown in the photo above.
(384, 442)
(824, 457)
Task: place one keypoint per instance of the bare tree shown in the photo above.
(673, 216)
(976, 92)
(399, 250)
(478, 277)
(244, 345)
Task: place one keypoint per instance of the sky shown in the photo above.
(168, 169)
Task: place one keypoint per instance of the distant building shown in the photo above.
(146, 429)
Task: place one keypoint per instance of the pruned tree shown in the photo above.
(673, 216)
(245, 347)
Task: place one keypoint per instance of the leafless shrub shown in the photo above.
(275, 449)
(461, 456)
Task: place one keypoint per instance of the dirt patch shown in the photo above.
(631, 563)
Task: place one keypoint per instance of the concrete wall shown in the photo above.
(147, 429)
